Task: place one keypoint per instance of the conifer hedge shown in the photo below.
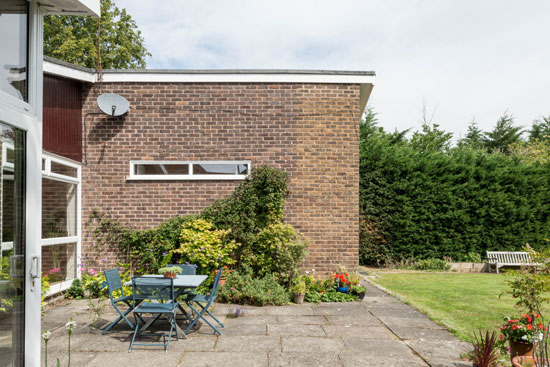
(432, 204)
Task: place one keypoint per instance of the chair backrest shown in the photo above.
(113, 281)
(215, 286)
(185, 268)
(153, 288)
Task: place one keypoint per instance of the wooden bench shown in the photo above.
(508, 258)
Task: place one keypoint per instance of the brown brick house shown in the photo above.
(191, 136)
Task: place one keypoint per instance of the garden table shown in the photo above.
(181, 283)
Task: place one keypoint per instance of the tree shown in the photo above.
(74, 39)
(540, 129)
(503, 135)
(474, 136)
(431, 139)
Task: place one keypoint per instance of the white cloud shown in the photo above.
(468, 58)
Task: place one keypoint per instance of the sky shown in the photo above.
(458, 60)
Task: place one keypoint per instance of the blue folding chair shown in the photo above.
(158, 299)
(186, 269)
(204, 302)
(114, 284)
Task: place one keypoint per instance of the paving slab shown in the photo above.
(242, 329)
(441, 353)
(302, 320)
(298, 310)
(376, 348)
(369, 332)
(363, 319)
(298, 359)
(409, 333)
(239, 343)
(421, 323)
(293, 330)
(223, 359)
(266, 319)
(404, 312)
(367, 360)
(311, 344)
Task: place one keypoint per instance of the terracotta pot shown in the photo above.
(523, 361)
(299, 298)
(170, 275)
(518, 349)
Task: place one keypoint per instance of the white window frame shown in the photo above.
(47, 173)
(134, 177)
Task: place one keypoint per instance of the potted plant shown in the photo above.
(226, 271)
(359, 291)
(298, 290)
(342, 282)
(170, 271)
(521, 332)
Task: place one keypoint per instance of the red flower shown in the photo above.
(529, 326)
(501, 337)
(514, 327)
(537, 316)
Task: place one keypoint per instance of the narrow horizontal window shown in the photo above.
(189, 170)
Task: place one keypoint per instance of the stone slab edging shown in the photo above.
(369, 280)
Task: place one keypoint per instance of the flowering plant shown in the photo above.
(342, 279)
(525, 329)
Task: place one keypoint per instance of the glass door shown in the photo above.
(12, 254)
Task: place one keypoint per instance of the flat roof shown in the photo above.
(50, 61)
(364, 78)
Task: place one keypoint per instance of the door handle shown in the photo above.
(35, 269)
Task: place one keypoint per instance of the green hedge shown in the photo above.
(431, 204)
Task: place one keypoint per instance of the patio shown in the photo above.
(380, 331)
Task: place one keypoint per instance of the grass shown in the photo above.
(462, 301)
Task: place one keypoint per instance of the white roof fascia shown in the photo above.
(71, 7)
(60, 70)
(174, 77)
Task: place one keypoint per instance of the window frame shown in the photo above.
(188, 177)
(77, 240)
(5, 97)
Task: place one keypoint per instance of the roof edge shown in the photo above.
(211, 71)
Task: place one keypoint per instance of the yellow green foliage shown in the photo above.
(203, 245)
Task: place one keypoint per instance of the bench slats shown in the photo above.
(508, 258)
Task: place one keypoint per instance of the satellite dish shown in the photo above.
(113, 104)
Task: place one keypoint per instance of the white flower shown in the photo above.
(47, 335)
(524, 337)
(313, 270)
(307, 272)
(71, 324)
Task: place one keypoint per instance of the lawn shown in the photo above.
(462, 301)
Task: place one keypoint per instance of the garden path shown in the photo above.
(380, 331)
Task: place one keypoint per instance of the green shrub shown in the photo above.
(242, 288)
(278, 250)
(93, 284)
(204, 246)
(75, 291)
(254, 205)
(473, 257)
(432, 265)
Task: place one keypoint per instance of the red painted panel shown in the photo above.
(62, 128)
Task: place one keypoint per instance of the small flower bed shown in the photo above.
(525, 329)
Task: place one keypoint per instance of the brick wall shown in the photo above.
(308, 130)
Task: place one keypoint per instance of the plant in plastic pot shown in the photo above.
(170, 271)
